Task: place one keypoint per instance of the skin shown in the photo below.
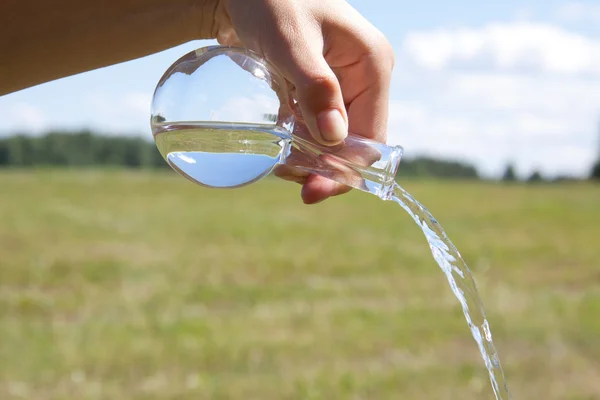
(337, 64)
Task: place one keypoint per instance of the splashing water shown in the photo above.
(462, 284)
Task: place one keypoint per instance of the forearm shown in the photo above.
(43, 40)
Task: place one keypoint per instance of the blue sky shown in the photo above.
(486, 82)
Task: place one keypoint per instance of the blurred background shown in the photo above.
(119, 279)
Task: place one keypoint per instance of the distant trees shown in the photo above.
(85, 148)
(431, 167)
(509, 174)
(535, 177)
(595, 172)
(82, 148)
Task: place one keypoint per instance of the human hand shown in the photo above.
(338, 66)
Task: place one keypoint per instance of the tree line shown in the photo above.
(89, 149)
(86, 148)
(82, 148)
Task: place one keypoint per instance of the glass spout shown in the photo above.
(357, 162)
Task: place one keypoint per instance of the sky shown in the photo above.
(487, 83)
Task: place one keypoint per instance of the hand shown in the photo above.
(338, 65)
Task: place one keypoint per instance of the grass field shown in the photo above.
(123, 285)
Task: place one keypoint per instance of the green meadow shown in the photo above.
(140, 285)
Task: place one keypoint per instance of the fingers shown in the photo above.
(321, 103)
(291, 174)
(298, 54)
(319, 95)
(364, 70)
(317, 188)
(366, 83)
(368, 110)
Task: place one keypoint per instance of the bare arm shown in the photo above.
(43, 40)
(339, 64)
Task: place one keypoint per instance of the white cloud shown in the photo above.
(520, 92)
(137, 103)
(519, 46)
(21, 117)
(246, 109)
(126, 114)
(577, 11)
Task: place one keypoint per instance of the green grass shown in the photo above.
(123, 285)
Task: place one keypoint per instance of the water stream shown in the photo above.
(462, 284)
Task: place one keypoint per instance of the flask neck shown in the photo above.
(357, 162)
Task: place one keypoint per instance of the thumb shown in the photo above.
(317, 90)
(320, 100)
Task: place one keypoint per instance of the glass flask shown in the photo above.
(223, 117)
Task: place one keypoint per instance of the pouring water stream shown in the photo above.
(462, 284)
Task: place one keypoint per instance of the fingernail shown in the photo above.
(332, 126)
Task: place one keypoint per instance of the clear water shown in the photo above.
(462, 284)
(232, 155)
(220, 155)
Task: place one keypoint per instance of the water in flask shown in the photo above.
(221, 155)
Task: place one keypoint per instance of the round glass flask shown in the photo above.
(223, 117)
